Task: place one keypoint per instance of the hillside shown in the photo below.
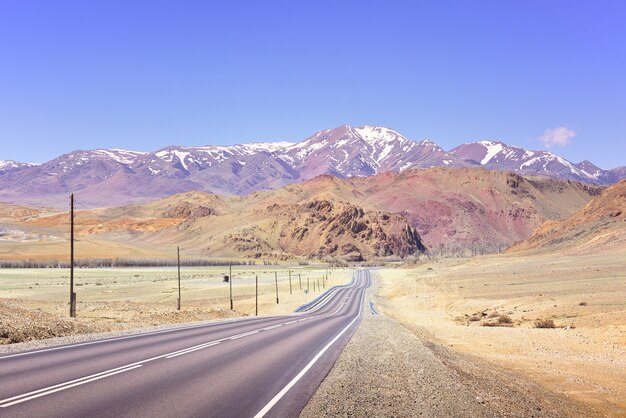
(440, 211)
(598, 227)
(455, 211)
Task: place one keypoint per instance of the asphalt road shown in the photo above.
(254, 367)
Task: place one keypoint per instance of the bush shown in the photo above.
(493, 314)
(544, 323)
(505, 319)
(582, 304)
(474, 318)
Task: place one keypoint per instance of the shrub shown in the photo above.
(474, 318)
(582, 304)
(493, 314)
(505, 319)
(544, 323)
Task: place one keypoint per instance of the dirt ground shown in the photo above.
(34, 302)
(400, 374)
(582, 357)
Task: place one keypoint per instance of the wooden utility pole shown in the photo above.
(178, 264)
(290, 292)
(276, 280)
(256, 297)
(72, 294)
(300, 280)
(230, 283)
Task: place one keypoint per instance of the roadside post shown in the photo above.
(72, 294)
(276, 280)
(230, 283)
(178, 265)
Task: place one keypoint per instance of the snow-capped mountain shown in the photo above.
(107, 177)
(10, 165)
(500, 156)
(362, 151)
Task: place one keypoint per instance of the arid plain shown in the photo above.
(583, 356)
(34, 302)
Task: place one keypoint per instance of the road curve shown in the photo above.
(253, 367)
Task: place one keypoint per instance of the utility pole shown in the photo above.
(290, 292)
(276, 280)
(72, 294)
(178, 264)
(300, 280)
(256, 297)
(230, 283)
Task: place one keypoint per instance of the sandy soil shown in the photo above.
(34, 302)
(400, 374)
(584, 357)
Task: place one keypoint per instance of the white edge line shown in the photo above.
(295, 380)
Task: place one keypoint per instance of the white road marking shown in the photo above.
(63, 386)
(193, 349)
(295, 380)
(245, 334)
(66, 385)
(127, 337)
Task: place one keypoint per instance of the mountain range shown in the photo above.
(438, 211)
(112, 177)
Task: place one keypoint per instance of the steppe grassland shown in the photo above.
(583, 357)
(128, 295)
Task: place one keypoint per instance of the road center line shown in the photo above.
(193, 349)
(63, 386)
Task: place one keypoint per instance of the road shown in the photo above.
(253, 367)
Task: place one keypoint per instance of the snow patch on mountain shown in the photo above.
(493, 148)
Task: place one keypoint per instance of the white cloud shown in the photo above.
(557, 136)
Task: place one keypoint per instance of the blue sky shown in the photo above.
(143, 75)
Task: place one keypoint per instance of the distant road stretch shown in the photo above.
(252, 367)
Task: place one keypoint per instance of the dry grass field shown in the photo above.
(34, 302)
(490, 307)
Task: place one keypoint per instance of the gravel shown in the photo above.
(387, 371)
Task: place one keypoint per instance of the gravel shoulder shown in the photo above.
(387, 370)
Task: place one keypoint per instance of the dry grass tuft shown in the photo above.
(544, 323)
